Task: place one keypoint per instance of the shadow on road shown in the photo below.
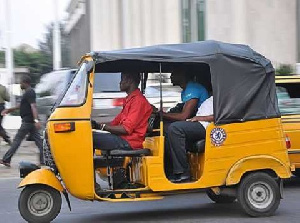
(292, 182)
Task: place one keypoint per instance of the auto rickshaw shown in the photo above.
(243, 157)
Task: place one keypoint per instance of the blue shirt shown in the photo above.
(196, 91)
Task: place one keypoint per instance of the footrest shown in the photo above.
(101, 161)
(131, 153)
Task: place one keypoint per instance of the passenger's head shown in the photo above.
(180, 77)
(129, 81)
(25, 82)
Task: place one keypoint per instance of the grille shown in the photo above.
(48, 159)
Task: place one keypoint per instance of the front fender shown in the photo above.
(42, 176)
(253, 163)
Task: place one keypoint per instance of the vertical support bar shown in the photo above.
(161, 101)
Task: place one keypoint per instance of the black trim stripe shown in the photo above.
(296, 151)
(290, 121)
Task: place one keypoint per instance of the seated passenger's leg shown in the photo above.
(178, 134)
(106, 141)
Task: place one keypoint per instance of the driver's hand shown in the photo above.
(95, 125)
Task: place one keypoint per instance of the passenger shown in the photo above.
(128, 129)
(192, 96)
(181, 132)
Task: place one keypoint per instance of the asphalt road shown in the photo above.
(179, 208)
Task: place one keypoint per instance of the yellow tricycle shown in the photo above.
(243, 157)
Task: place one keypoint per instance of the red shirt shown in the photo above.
(134, 118)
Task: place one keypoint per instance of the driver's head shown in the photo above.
(129, 81)
(179, 77)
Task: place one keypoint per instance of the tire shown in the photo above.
(39, 203)
(259, 194)
(220, 199)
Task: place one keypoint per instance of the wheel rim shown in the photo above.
(260, 195)
(40, 203)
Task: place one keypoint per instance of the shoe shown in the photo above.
(181, 177)
(4, 163)
(8, 141)
(98, 188)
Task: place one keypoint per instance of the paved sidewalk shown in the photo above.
(28, 151)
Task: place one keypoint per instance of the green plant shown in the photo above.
(284, 69)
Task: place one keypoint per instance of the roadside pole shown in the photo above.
(8, 52)
(56, 39)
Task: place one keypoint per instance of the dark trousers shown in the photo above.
(22, 132)
(180, 135)
(2, 130)
(107, 141)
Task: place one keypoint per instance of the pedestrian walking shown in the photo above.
(4, 96)
(30, 123)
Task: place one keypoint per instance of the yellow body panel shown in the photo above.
(249, 139)
(73, 151)
(291, 127)
(291, 123)
(42, 176)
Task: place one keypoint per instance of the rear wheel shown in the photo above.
(259, 194)
(220, 199)
(39, 203)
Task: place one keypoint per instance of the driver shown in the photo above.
(129, 128)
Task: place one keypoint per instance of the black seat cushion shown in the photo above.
(197, 147)
(102, 161)
(131, 153)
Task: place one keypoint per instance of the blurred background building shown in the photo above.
(271, 27)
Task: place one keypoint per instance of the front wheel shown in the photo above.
(259, 194)
(39, 203)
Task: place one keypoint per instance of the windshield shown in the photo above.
(75, 95)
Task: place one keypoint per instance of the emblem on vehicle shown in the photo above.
(218, 136)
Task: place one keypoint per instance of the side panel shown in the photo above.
(248, 139)
(291, 127)
(73, 151)
(243, 140)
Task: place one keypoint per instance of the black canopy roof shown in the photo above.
(243, 81)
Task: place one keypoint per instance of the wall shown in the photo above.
(79, 33)
(134, 23)
(268, 26)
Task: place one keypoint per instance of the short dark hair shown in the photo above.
(134, 76)
(26, 79)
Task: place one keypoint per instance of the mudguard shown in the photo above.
(260, 162)
(42, 176)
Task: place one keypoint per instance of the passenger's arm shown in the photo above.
(209, 118)
(188, 109)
